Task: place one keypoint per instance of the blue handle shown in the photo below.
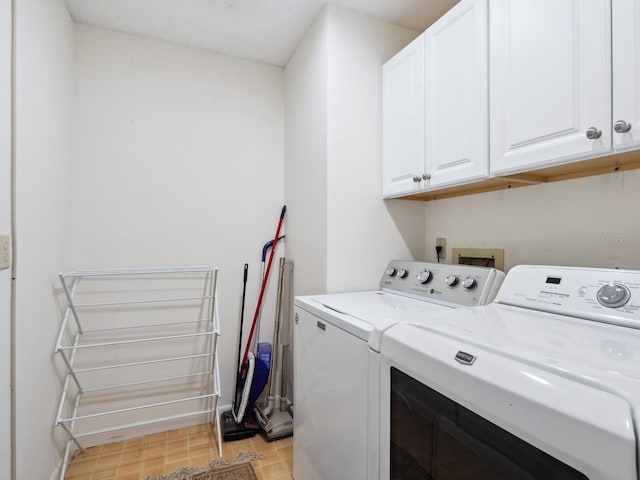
(267, 246)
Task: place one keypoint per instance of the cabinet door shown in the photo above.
(550, 82)
(626, 73)
(456, 66)
(403, 120)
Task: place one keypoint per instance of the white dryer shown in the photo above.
(543, 383)
(333, 383)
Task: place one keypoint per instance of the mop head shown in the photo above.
(246, 388)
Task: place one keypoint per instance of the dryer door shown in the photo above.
(454, 410)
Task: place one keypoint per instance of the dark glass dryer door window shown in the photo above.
(435, 438)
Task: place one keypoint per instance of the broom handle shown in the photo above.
(276, 336)
(262, 289)
(244, 294)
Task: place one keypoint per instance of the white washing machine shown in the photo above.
(331, 358)
(544, 383)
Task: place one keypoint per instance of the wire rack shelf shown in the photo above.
(138, 347)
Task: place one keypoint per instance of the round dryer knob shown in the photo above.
(424, 277)
(469, 282)
(391, 272)
(451, 280)
(613, 295)
(402, 273)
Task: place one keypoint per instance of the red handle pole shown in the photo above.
(262, 288)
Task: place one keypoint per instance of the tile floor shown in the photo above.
(163, 453)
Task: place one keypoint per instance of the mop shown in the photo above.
(232, 426)
(276, 423)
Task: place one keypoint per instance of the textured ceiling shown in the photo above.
(267, 31)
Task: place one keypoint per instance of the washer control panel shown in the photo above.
(443, 283)
(605, 295)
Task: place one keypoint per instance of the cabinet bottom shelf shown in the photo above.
(596, 166)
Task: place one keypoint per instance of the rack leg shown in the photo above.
(217, 413)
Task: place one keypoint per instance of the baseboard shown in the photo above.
(141, 431)
(56, 473)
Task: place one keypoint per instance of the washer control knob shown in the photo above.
(424, 276)
(469, 283)
(613, 295)
(391, 272)
(451, 280)
(402, 273)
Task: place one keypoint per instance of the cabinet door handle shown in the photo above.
(593, 133)
(416, 179)
(426, 176)
(621, 126)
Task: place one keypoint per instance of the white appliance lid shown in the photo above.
(598, 354)
(360, 313)
(374, 306)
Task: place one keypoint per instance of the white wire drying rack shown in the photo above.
(137, 326)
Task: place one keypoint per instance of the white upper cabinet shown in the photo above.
(403, 120)
(456, 82)
(502, 87)
(435, 105)
(626, 74)
(550, 70)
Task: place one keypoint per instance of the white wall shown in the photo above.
(305, 159)
(5, 227)
(178, 161)
(591, 222)
(342, 232)
(44, 75)
(363, 231)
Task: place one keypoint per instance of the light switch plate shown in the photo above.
(5, 254)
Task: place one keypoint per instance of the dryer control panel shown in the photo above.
(599, 294)
(442, 283)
